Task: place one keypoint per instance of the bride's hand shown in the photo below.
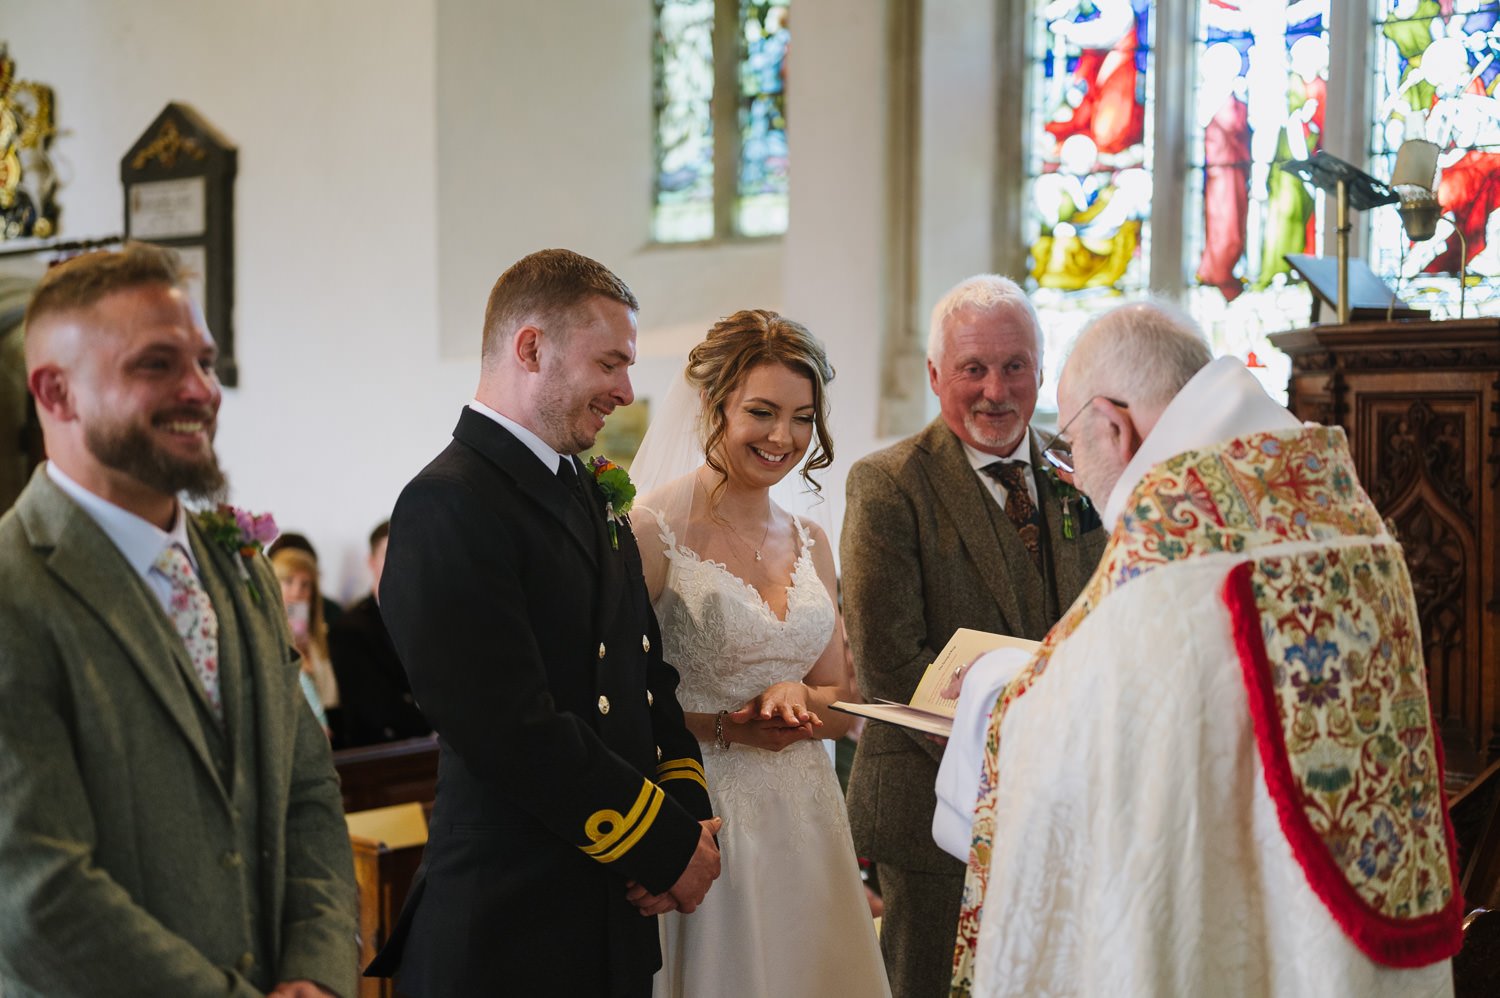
(772, 736)
(784, 703)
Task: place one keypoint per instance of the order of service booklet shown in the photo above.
(929, 711)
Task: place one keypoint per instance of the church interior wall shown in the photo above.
(394, 157)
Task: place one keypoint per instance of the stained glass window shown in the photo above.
(692, 201)
(1439, 67)
(684, 57)
(1089, 196)
(761, 207)
(1261, 101)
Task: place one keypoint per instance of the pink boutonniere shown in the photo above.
(619, 492)
(239, 533)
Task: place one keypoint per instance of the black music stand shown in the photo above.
(1351, 187)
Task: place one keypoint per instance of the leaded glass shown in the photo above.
(684, 78)
(761, 202)
(1089, 196)
(1437, 71)
(1261, 100)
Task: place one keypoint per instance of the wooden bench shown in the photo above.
(393, 773)
(388, 844)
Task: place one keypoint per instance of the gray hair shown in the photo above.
(1143, 353)
(982, 292)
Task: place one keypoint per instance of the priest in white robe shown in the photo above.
(1219, 774)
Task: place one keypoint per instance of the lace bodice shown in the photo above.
(722, 636)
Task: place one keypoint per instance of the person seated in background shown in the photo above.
(332, 608)
(297, 571)
(375, 700)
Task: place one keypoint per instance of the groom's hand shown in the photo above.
(701, 870)
(646, 903)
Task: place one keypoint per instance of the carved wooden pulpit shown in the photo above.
(1420, 402)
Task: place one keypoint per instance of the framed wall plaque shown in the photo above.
(179, 192)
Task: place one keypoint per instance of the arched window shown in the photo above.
(721, 152)
(1156, 131)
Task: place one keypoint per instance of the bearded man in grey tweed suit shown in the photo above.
(957, 526)
(170, 821)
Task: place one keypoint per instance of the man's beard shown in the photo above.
(128, 448)
(989, 438)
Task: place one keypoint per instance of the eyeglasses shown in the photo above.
(1057, 450)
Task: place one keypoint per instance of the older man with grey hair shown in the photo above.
(957, 526)
(1250, 797)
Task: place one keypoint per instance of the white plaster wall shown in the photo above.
(836, 255)
(395, 156)
(342, 393)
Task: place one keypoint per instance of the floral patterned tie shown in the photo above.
(193, 615)
(1018, 505)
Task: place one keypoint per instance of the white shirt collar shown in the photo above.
(978, 459)
(1221, 402)
(140, 541)
(545, 454)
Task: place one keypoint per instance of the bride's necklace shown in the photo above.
(739, 537)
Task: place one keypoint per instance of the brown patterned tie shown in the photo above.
(1018, 505)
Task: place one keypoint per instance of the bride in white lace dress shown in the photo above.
(744, 594)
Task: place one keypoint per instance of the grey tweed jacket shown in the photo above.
(145, 849)
(926, 550)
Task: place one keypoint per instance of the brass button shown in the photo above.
(603, 704)
(601, 649)
(231, 860)
(645, 644)
(658, 753)
(247, 963)
(650, 700)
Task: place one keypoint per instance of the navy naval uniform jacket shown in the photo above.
(565, 767)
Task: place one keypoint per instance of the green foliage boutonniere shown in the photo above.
(1069, 496)
(239, 533)
(619, 494)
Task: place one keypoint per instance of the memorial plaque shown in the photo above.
(179, 192)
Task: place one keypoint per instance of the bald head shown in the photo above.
(1142, 353)
(1126, 366)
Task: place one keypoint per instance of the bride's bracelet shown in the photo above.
(719, 731)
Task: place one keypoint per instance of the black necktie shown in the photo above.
(567, 473)
(1018, 505)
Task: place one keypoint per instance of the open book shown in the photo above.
(929, 711)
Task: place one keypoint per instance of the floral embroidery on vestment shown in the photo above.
(1244, 494)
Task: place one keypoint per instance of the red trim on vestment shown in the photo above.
(1394, 942)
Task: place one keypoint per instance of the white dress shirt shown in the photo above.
(140, 541)
(544, 453)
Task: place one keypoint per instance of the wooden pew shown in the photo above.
(1476, 825)
(387, 845)
(393, 773)
(375, 779)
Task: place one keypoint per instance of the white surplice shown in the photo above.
(1136, 848)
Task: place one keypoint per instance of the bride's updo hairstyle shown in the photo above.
(746, 340)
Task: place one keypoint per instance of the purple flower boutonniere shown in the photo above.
(239, 533)
(619, 493)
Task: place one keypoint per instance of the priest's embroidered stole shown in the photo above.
(1331, 653)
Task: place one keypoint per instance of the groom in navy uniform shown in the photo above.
(571, 803)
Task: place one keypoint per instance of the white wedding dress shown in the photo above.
(788, 913)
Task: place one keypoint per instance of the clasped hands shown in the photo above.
(687, 893)
(774, 719)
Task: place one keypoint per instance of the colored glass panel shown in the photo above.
(761, 202)
(1089, 194)
(1261, 99)
(1438, 70)
(684, 87)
